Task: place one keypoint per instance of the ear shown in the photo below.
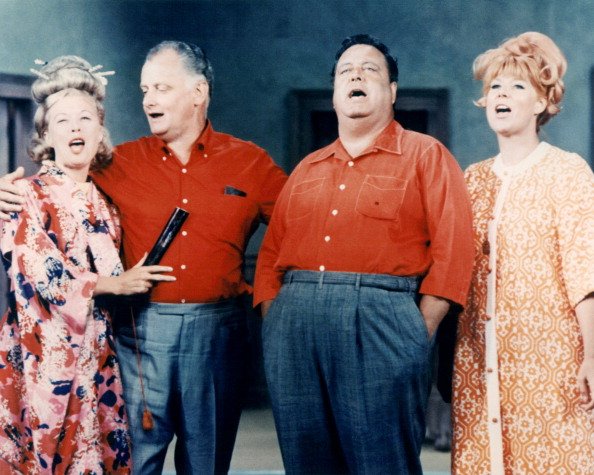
(540, 106)
(201, 92)
(48, 138)
(394, 89)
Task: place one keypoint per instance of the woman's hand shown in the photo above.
(585, 377)
(585, 380)
(137, 280)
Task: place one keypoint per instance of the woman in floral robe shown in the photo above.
(524, 364)
(62, 408)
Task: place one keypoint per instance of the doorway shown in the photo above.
(314, 125)
(16, 127)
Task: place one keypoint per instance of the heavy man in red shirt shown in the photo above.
(192, 334)
(369, 245)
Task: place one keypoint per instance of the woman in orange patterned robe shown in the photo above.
(524, 365)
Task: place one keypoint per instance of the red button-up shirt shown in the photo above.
(228, 186)
(399, 208)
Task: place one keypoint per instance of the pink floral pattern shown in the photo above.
(62, 409)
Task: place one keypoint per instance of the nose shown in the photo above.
(356, 74)
(76, 126)
(148, 98)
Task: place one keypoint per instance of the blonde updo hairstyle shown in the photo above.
(533, 57)
(58, 78)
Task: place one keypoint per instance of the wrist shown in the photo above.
(108, 285)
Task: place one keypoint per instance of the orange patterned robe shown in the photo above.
(516, 402)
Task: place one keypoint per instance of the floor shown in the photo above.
(257, 453)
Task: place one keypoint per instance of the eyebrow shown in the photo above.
(83, 111)
(350, 63)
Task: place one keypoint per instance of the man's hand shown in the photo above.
(433, 310)
(265, 306)
(11, 198)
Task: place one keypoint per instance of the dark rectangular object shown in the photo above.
(176, 220)
(230, 190)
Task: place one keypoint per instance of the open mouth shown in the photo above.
(155, 115)
(76, 143)
(502, 109)
(357, 93)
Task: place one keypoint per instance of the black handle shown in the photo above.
(176, 220)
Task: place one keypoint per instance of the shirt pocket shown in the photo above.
(381, 196)
(304, 197)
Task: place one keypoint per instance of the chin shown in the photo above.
(162, 134)
(357, 115)
(78, 165)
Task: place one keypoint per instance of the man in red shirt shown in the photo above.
(369, 245)
(192, 335)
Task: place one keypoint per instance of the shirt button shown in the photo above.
(164, 158)
(322, 268)
(495, 420)
(488, 318)
(184, 170)
(206, 155)
(489, 370)
(184, 233)
(351, 163)
(183, 300)
(334, 212)
(342, 186)
(185, 201)
(327, 238)
(183, 266)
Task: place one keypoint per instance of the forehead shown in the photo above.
(72, 102)
(508, 69)
(165, 66)
(361, 54)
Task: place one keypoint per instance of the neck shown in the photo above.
(182, 146)
(515, 149)
(79, 175)
(357, 135)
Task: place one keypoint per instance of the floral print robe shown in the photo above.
(62, 409)
(516, 403)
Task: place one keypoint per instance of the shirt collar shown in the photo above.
(202, 142)
(389, 140)
(502, 170)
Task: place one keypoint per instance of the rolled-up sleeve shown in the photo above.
(449, 222)
(269, 278)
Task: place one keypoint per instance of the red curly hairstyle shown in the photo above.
(533, 57)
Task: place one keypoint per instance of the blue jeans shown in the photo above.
(347, 360)
(193, 362)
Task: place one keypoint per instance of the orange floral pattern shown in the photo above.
(534, 248)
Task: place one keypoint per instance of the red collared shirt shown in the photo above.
(400, 208)
(228, 186)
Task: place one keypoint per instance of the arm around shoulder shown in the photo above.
(11, 198)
